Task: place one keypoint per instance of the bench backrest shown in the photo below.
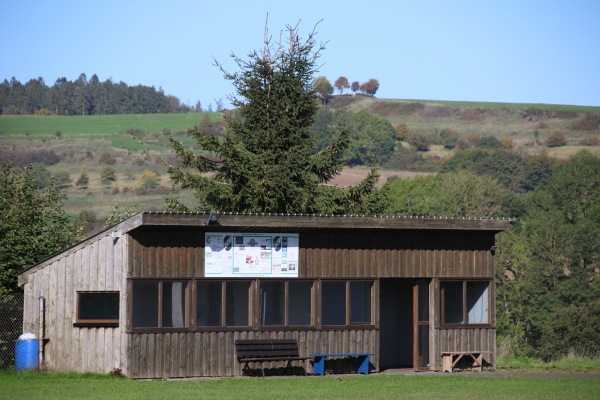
(266, 348)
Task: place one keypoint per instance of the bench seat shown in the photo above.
(260, 351)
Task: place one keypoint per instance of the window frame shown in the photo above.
(286, 300)
(188, 295)
(223, 312)
(348, 303)
(95, 322)
(464, 301)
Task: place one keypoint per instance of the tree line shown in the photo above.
(85, 96)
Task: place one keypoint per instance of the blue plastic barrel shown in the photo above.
(26, 352)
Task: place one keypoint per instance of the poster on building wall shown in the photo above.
(251, 254)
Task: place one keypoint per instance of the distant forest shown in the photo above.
(86, 97)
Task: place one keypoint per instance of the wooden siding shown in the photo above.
(172, 253)
(97, 266)
(468, 339)
(213, 353)
(167, 253)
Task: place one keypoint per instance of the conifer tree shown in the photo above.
(267, 160)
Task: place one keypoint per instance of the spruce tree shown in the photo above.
(267, 161)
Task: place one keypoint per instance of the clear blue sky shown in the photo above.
(528, 51)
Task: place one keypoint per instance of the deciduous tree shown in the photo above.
(341, 83)
(33, 225)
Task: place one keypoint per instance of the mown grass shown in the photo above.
(18, 126)
(49, 386)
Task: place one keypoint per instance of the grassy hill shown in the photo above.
(132, 145)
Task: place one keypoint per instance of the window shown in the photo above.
(285, 303)
(464, 302)
(160, 304)
(97, 309)
(346, 302)
(209, 302)
(214, 310)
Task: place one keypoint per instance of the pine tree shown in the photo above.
(267, 160)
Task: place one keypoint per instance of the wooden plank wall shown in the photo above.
(396, 254)
(213, 353)
(468, 339)
(172, 253)
(97, 266)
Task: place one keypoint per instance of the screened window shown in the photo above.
(209, 302)
(223, 303)
(98, 308)
(346, 302)
(465, 302)
(160, 304)
(285, 303)
(237, 303)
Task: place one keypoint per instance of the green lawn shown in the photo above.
(48, 386)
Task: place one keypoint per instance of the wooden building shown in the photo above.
(167, 294)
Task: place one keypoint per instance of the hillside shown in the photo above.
(134, 147)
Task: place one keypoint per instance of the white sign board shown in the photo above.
(251, 254)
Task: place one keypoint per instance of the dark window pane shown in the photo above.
(300, 295)
(272, 303)
(333, 298)
(452, 302)
(145, 304)
(237, 303)
(477, 302)
(423, 291)
(423, 337)
(173, 304)
(360, 302)
(208, 303)
(98, 306)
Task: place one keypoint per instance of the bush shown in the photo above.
(149, 180)
(107, 158)
(556, 138)
(108, 175)
(419, 142)
(83, 180)
(489, 142)
(591, 140)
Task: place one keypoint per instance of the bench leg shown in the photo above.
(319, 365)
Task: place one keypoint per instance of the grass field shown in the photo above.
(50, 386)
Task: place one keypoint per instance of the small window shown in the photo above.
(346, 302)
(464, 302)
(209, 302)
(97, 309)
(160, 304)
(285, 303)
(237, 303)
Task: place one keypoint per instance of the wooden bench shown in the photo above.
(260, 351)
(360, 360)
(451, 358)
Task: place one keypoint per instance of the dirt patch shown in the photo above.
(352, 176)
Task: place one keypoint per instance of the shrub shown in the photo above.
(401, 131)
(556, 138)
(149, 180)
(108, 175)
(489, 142)
(419, 142)
(83, 179)
(107, 158)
